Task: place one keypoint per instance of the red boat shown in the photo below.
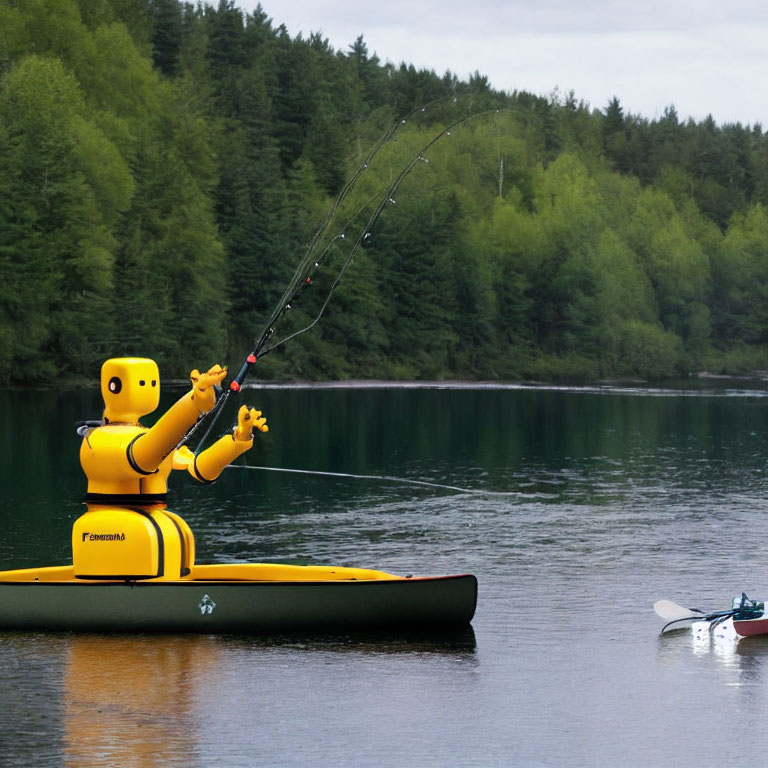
(751, 627)
(748, 616)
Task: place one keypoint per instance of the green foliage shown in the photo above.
(164, 166)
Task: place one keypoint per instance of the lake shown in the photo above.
(588, 506)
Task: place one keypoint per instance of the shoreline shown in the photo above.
(757, 379)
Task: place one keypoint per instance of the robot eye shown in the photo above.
(115, 385)
(154, 382)
(142, 383)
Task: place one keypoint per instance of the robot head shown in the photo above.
(130, 387)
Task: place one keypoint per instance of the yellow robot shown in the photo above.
(127, 532)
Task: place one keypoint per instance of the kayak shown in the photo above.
(246, 598)
(747, 616)
(133, 560)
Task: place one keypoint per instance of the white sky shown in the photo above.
(703, 56)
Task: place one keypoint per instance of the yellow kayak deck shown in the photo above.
(256, 572)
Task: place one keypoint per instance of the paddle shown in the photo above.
(670, 611)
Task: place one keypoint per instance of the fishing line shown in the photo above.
(302, 277)
(383, 478)
(301, 270)
(386, 199)
(214, 413)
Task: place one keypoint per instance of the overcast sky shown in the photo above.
(705, 57)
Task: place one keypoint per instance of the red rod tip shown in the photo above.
(234, 386)
(252, 359)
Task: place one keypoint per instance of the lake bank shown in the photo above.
(755, 380)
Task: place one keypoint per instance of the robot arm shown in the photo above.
(209, 464)
(148, 450)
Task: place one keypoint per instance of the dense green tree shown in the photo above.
(66, 181)
(166, 35)
(165, 165)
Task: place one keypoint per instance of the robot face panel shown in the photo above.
(130, 387)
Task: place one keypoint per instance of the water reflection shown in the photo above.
(128, 701)
(743, 660)
(139, 702)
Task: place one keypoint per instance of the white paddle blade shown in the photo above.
(670, 611)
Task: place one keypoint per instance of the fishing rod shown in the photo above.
(302, 276)
(387, 199)
(309, 262)
(260, 348)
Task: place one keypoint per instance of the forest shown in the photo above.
(166, 165)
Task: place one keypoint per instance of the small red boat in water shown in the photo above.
(748, 616)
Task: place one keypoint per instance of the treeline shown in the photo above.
(163, 166)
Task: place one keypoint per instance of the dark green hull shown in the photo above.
(260, 607)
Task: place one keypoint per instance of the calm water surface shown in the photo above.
(598, 503)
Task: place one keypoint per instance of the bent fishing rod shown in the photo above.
(302, 276)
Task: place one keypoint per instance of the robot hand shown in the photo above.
(247, 419)
(203, 394)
